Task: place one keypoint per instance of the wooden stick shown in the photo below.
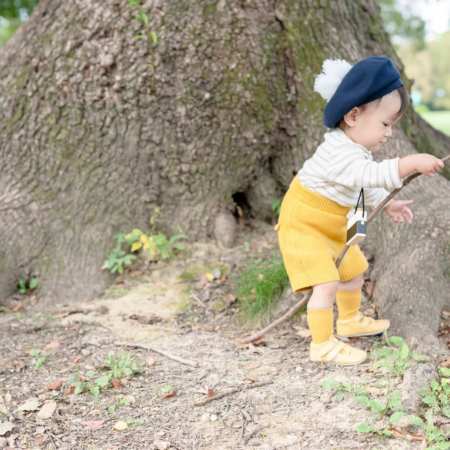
(232, 391)
(156, 350)
(253, 433)
(290, 312)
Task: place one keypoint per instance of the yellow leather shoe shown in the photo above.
(361, 325)
(337, 352)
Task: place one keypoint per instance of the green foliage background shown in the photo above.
(12, 14)
(426, 62)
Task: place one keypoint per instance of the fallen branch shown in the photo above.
(232, 391)
(253, 433)
(156, 350)
(290, 312)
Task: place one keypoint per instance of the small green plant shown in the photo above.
(143, 18)
(436, 401)
(122, 401)
(118, 259)
(39, 358)
(276, 205)
(115, 367)
(27, 284)
(396, 356)
(154, 246)
(260, 285)
(386, 408)
(90, 382)
(388, 412)
(166, 389)
(122, 365)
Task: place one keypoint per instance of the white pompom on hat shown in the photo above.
(333, 72)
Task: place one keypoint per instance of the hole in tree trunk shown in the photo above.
(242, 210)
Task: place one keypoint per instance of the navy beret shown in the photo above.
(367, 80)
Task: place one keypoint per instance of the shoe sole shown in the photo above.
(339, 364)
(378, 333)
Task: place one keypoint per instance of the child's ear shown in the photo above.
(351, 117)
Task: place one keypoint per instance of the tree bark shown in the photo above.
(105, 117)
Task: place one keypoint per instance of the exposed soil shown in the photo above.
(278, 402)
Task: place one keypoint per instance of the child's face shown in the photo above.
(372, 125)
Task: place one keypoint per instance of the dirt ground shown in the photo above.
(272, 395)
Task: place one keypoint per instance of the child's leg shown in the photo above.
(348, 297)
(350, 320)
(324, 346)
(320, 311)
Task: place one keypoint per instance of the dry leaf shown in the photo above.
(47, 410)
(170, 394)
(258, 342)
(210, 392)
(116, 383)
(303, 332)
(120, 426)
(445, 363)
(32, 404)
(93, 424)
(146, 319)
(151, 361)
(55, 385)
(161, 445)
(70, 390)
(17, 307)
(209, 276)
(230, 299)
(77, 359)
(5, 427)
(54, 345)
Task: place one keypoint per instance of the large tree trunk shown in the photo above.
(99, 127)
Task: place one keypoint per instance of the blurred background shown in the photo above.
(419, 29)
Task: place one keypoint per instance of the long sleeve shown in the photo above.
(353, 169)
(339, 168)
(374, 196)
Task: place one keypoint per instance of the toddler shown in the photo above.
(364, 101)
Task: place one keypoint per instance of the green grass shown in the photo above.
(438, 119)
(260, 285)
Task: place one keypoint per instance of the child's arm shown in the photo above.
(422, 163)
(350, 167)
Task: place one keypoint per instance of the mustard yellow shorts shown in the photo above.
(312, 231)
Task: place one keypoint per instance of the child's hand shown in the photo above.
(428, 164)
(422, 162)
(398, 211)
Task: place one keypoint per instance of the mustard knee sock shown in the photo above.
(320, 322)
(348, 303)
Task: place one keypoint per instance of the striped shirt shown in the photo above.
(340, 167)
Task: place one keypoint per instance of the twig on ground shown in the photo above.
(252, 434)
(232, 391)
(200, 302)
(156, 350)
(289, 313)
